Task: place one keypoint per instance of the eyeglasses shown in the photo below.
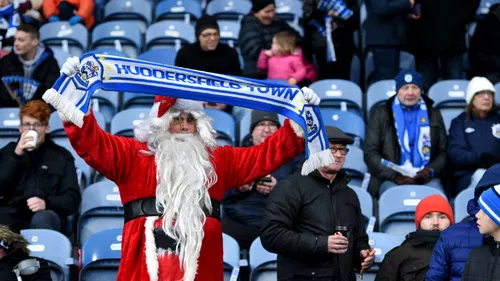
(342, 150)
(34, 125)
(180, 119)
(206, 35)
(270, 125)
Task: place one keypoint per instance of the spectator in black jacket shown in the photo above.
(28, 71)
(208, 54)
(38, 188)
(314, 222)
(13, 251)
(256, 34)
(484, 51)
(483, 262)
(342, 36)
(410, 261)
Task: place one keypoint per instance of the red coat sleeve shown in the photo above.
(111, 156)
(247, 164)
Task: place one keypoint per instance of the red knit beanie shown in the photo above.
(433, 203)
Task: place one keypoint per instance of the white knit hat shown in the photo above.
(476, 85)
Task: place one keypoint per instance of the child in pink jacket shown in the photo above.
(285, 61)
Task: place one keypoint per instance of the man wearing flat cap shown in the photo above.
(314, 222)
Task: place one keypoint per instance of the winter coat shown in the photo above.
(469, 137)
(381, 142)
(441, 28)
(8, 263)
(483, 263)
(46, 72)
(484, 51)
(254, 37)
(301, 212)
(48, 172)
(410, 261)
(222, 60)
(84, 9)
(386, 23)
(455, 242)
(287, 66)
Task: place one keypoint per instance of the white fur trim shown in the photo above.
(188, 105)
(298, 129)
(63, 106)
(476, 85)
(317, 160)
(150, 249)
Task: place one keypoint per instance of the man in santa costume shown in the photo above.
(171, 179)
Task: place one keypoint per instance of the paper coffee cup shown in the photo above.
(31, 144)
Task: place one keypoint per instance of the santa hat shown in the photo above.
(476, 85)
(163, 104)
(433, 203)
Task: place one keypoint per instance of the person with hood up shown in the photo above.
(455, 243)
(410, 261)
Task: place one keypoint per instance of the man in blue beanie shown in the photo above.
(455, 242)
(409, 132)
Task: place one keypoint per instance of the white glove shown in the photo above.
(310, 96)
(71, 66)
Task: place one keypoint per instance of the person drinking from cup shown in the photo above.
(38, 182)
(314, 222)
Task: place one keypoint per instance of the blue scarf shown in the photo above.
(10, 13)
(420, 155)
(71, 95)
(326, 31)
(24, 88)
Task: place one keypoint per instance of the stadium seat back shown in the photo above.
(461, 202)
(263, 264)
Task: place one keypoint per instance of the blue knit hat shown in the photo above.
(489, 202)
(408, 76)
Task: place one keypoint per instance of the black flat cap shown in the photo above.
(336, 135)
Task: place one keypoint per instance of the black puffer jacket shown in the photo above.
(483, 263)
(410, 261)
(47, 172)
(382, 142)
(301, 212)
(8, 263)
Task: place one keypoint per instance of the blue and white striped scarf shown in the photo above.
(71, 95)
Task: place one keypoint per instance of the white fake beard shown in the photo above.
(184, 174)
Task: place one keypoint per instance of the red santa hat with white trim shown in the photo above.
(163, 104)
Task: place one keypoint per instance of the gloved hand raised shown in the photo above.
(71, 66)
(310, 96)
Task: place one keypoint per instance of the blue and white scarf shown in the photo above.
(420, 156)
(10, 14)
(71, 95)
(326, 31)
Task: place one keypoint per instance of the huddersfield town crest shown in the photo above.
(89, 70)
(312, 128)
(495, 130)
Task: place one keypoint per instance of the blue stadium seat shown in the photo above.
(461, 202)
(228, 9)
(101, 209)
(57, 34)
(263, 264)
(137, 100)
(355, 166)
(229, 32)
(449, 114)
(128, 34)
(169, 34)
(137, 11)
(187, 10)
(101, 256)
(231, 255)
(355, 75)
(9, 125)
(61, 56)
(109, 51)
(397, 207)
(53, 247)
(382, 243)
(351, 123)
(406, 60)
(289, 10)
(106, 103)
(163, 56)
(449, 93)
(365, 200)
(334, 91)
(124, 122)
(378, 93)
(223, 123)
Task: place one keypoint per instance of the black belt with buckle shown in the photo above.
(145, 207)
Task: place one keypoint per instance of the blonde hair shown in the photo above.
(287, 41)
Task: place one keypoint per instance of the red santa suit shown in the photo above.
(120, 160)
